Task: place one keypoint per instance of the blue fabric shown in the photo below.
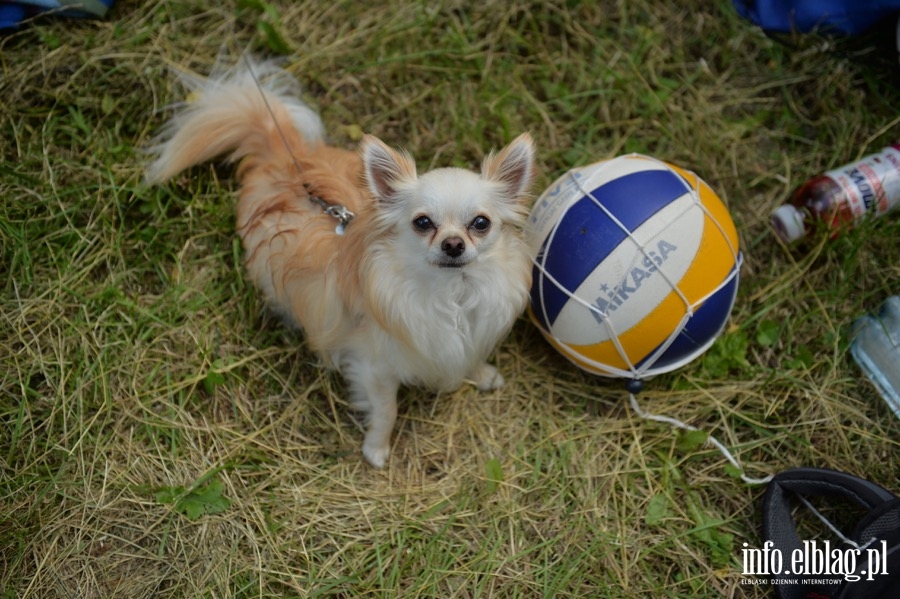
(847, 17)
(13, 13)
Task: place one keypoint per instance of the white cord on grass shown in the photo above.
(834, 528)
(710, 439)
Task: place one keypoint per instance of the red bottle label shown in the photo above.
(871, 186)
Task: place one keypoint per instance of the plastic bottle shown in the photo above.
(876, 348)
(842, 197)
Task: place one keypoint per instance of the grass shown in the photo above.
(164, 436)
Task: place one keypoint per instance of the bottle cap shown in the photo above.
(788, 223)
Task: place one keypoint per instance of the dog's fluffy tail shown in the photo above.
(249, 110)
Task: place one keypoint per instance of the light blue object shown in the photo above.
(876, 348)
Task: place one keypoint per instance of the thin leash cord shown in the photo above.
(338, 211)
(834, 528)
(750, 480)
(271, 112)
(710, 439)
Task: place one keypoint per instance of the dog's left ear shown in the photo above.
(385, 169)
(513, 166)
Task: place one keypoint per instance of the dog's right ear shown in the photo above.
(385, 169)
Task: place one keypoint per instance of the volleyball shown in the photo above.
(636, 266)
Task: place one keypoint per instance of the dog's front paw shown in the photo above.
(376, 454)
(487, 378)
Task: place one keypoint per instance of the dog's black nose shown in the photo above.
(453, 246)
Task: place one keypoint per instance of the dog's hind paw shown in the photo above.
(487, 378)
(377, 455)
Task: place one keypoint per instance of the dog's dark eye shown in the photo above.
(480, 224)
(423, 223)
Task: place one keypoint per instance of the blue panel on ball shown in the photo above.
(704, 326)
(635, 197)
(586, 234)
(545, 296)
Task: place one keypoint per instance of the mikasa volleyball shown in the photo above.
(635, 266)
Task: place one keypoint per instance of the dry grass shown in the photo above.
(138, 369)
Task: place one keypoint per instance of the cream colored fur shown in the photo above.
(391, 301)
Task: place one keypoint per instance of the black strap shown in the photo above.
(883, 524)
(779, 527)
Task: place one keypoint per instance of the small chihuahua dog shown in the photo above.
(417, 288)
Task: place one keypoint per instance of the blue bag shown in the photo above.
(847, 17)
(12, 13)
